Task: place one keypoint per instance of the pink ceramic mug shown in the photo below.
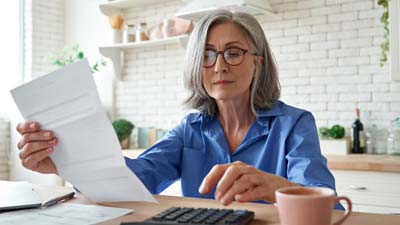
(308, 206)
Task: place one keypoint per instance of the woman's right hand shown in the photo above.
(35, 147)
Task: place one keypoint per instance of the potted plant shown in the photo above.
(333, 140)
(71, 54)
(123, 128)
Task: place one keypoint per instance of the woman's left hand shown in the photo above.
(240, 182)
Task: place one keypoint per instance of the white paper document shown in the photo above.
(88, 154)
(18, 195)
(63, 214)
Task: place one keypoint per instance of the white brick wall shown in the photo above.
(345, 47)
(4, 148)
(327, 52)
(44, 34)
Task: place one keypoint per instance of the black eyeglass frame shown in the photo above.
(223, 56)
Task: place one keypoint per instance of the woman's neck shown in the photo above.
(235, 115)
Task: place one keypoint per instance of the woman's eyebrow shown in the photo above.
(234, 43)
(208, 45)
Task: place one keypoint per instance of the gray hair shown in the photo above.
(265, 88)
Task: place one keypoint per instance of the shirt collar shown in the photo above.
(262, 115)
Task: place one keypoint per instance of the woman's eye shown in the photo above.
(209, 54)
(233, 53)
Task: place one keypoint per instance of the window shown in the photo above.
(10, 54)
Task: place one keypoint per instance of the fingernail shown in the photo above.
(47, 134)
(201, 189)
(224, 202)
(217, 195)
(50, 149)
(33, 125)
(238, 197)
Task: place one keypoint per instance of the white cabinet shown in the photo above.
(374, 192)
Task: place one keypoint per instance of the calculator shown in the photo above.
(198, 216)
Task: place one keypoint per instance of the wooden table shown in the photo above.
(264, 213)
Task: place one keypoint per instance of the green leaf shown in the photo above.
(337, 132)
(95, 67)
(58, 63)
(80, 55)
(324, 132)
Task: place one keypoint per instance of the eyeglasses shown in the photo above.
(232, 56)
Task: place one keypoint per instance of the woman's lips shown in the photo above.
(223, 82)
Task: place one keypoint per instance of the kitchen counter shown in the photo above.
(364, 162)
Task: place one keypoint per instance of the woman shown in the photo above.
(242, 145)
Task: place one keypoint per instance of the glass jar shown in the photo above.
(370, 140)
(380, 145)
(141, 32)
(393, 140)
(129, 33)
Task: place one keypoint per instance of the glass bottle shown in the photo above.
(358, 135)
(393, 140)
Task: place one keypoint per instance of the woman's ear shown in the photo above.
(260, 59)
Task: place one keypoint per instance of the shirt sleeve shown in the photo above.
(306, 165)
(160, 165)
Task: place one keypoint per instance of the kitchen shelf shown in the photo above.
(115, 7)
(116, 52)
(195, 10)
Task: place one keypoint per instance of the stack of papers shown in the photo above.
(64, 214)
(21, 195)
(18, 195)
(88, 153)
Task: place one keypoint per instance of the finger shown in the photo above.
(230, 176)
(245, 183)
(33, 147)
(212, 178)
(27, 127)
(36, 136)
(252, 194)
(32, 161)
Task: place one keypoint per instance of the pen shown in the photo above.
(58, 199)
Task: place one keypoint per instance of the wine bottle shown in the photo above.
(358, 145)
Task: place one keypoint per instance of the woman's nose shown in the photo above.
(220, 64)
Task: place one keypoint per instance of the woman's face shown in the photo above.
(223, 81)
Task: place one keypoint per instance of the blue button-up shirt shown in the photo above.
(282, 141)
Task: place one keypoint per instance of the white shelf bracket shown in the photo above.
(116, 55)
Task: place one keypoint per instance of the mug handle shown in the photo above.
(347, 212)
